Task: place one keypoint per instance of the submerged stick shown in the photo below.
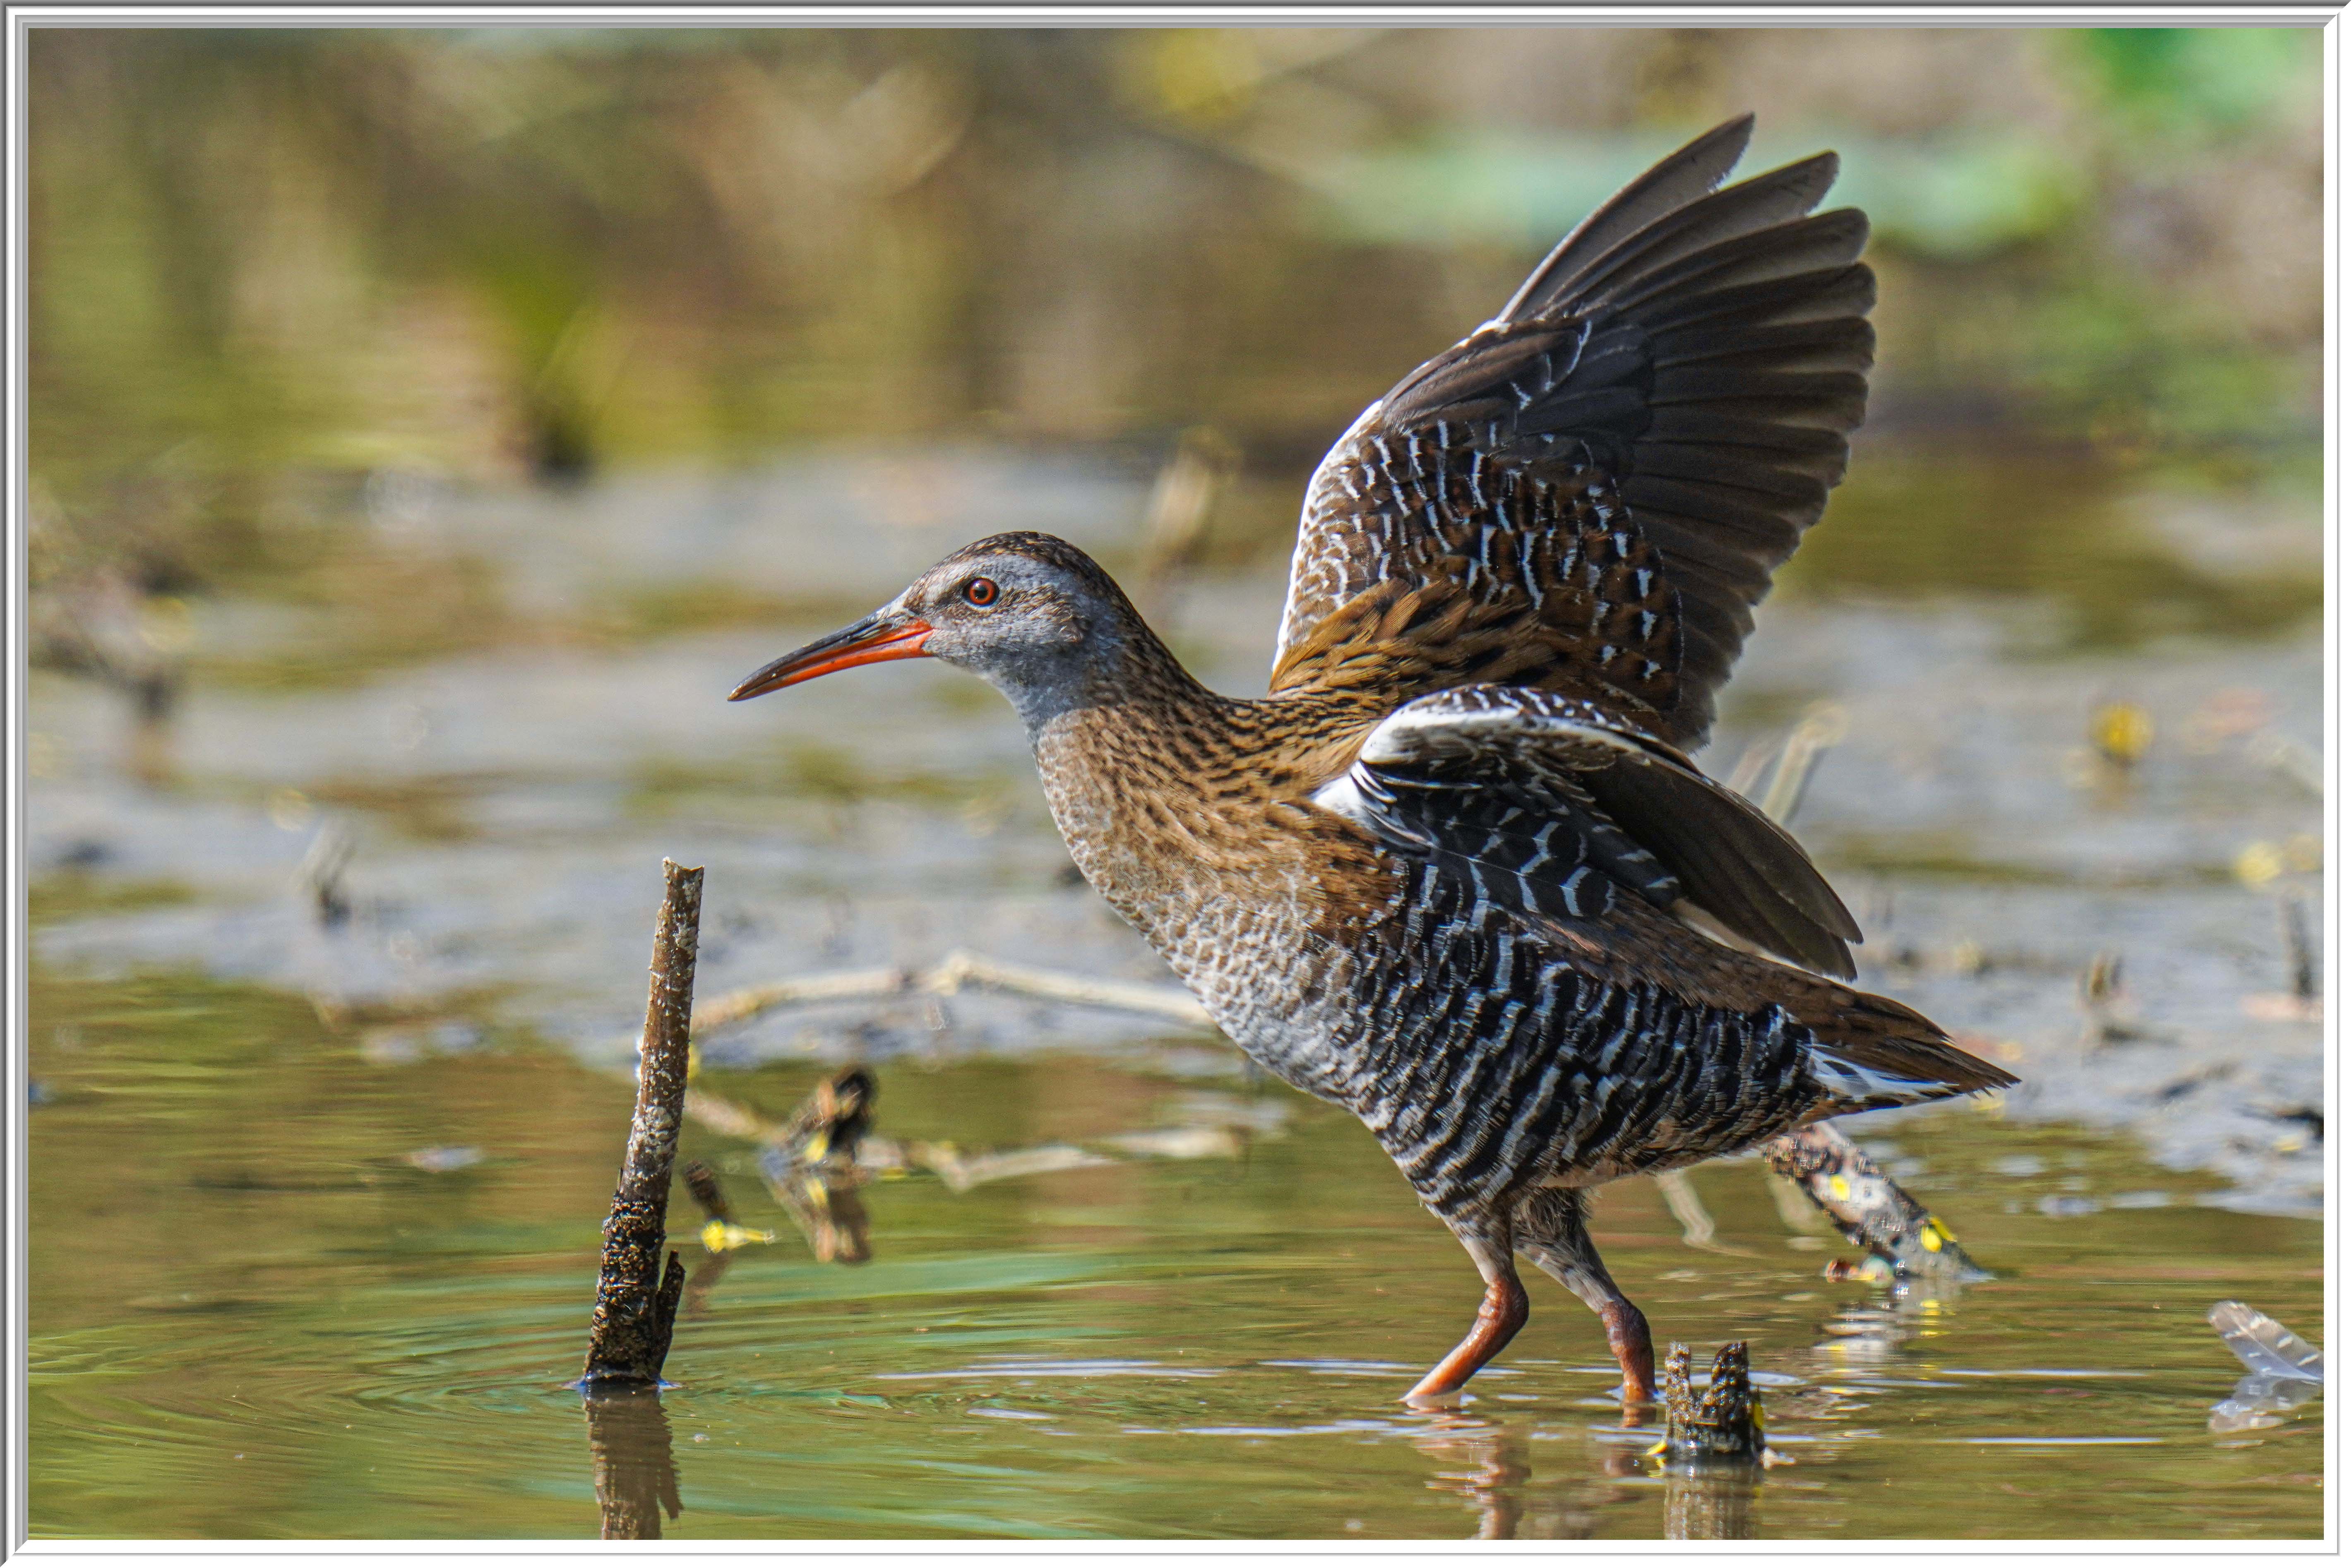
(952, 974)
(1865, 1203)
(1690, 1212)
(1828, 1166)
(636, 1298)
(1822, 727)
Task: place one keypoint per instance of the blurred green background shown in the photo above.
(271, 268)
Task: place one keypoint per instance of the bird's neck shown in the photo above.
(1172, 798)
(1122, 666)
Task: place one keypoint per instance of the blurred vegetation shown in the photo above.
(270, 268)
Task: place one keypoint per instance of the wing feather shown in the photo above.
(1675, 181)
(1609, 472)
(1472, 776)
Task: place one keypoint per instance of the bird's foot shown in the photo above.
(1501, 1314)
(1629, 1342)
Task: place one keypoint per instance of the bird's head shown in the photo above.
(1031, 613)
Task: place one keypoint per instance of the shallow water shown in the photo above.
(254, 1313)
(315, 1203)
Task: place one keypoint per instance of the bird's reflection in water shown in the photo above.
(1487, 1465)
(630, 1456)
(811, 1166)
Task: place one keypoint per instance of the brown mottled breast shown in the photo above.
(1175, 802)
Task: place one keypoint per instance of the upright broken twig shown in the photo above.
(2302, 963)
(1721, 1425)
(1713, 1449)
(636, 1298)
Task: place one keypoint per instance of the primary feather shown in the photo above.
(1597, 485)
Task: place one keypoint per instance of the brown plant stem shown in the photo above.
(952, 974)
(636, 1296)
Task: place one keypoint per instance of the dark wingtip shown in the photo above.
(1994, 1077)
(1739, 128)
(1710, 156)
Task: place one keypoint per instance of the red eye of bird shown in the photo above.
(980, 591)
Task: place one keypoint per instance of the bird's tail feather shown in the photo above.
(1870, 1053)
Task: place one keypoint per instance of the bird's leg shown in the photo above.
(1551, 1231)
(1629, 1341)
(1501, 1314)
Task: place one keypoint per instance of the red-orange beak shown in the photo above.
(869, 641)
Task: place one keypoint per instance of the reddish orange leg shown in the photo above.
(1549, 1228)
(1501, 1314)
(1629, 1338)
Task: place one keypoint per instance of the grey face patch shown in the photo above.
(1044, 635)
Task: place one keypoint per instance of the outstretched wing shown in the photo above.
(1554, 808)
(1589, 493)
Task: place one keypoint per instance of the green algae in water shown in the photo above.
(250, 1316)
